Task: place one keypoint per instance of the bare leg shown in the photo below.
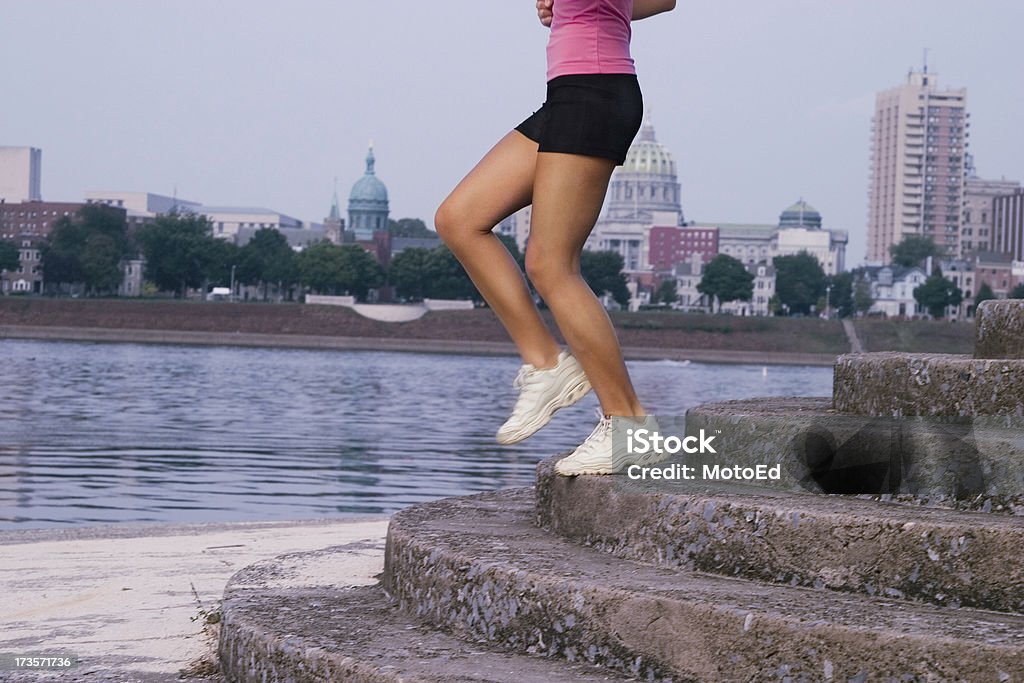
(568, 192)
(499, 185)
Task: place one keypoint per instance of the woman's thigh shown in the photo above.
(568, 192)
(498, 186)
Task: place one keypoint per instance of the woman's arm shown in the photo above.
(648, 8)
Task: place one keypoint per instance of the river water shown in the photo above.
(97, 433)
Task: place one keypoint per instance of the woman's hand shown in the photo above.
(544, 11)
(648, 8)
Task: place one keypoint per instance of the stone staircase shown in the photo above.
(912, 573)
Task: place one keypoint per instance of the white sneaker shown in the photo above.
(599, 455)
(542, 392)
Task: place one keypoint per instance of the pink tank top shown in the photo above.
(590, 37)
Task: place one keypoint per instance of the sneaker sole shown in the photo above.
(577, 392)
(643, 461)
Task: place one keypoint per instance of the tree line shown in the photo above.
(86, 252)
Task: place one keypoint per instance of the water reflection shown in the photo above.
(96, 433)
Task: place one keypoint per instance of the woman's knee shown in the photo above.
(445, 221)
(455, 222)
(546, 273)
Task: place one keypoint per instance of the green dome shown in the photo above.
(369, 188)
(800, 215)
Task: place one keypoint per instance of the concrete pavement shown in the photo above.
(140, 603)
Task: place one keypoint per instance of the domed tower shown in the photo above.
(800, 215)
(368, 202)
(646, 182)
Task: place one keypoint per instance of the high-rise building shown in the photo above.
(20, 174)
(918, 165)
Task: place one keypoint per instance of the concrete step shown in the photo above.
(999, 329)
(964, 462)
(479, 567)
(282, 620)
(928, 384)
(940, 556)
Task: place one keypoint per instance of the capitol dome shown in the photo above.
(368, 202)
(800, 215)
(647, 155)
(646, 182)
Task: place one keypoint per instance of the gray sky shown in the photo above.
(261, 103)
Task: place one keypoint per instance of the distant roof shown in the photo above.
(238, 209)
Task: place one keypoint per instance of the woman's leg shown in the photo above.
(501, 184)
(568, 192)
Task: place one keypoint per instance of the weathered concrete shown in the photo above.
(836, 542)
(289, 620)
(478, 566)
(908, 384)
(999, 329)
(132, 601)
(974, 463)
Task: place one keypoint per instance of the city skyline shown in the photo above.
(252, 108)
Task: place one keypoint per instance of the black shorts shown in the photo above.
(591, 114)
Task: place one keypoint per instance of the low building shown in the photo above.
(1008, 224)
(976, 229)
(298, 238)
(27, 224)
(688, 275)
(671, 245)
(760, 300)
(141, 207)
(892, 288)
(227, 221)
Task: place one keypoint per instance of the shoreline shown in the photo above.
(404, 344)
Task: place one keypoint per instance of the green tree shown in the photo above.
(267, 259)
(446, 277)
(101, 263)
(362, 271)
(862, 299)
(937, 293)
(913, 250)
(602, 271)
(222, 255)
(87, 249)
(323, 267)
(408, 273)
(799, 281)
(1018, 291)
(726, 279)
(179, 250)
(10, 256)
(984, 294)
(841, 296)
(409, 227)
(666, 292)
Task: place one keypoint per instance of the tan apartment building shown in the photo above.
(918, 165)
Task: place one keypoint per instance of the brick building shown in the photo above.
(26, 224)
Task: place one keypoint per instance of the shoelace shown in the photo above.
(524, 372)
(603, 423)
